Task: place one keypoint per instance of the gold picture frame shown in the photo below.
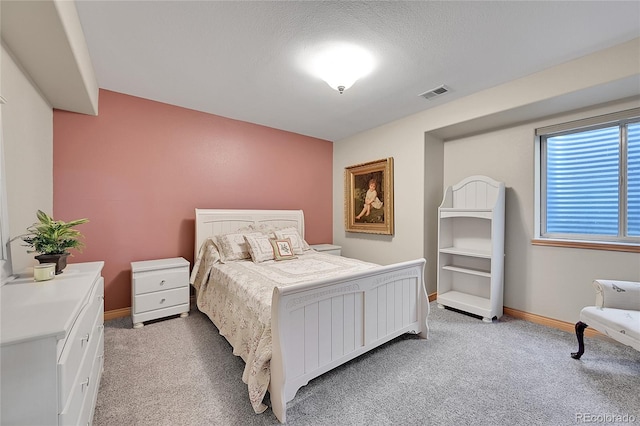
(368, 197)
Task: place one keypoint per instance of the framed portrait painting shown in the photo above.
(368, 197)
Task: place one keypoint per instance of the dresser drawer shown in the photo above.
(80, 402)
(151, 281)
(90, 397)
(81, 340)
(161, 299)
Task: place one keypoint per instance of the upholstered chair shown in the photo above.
(616, 313)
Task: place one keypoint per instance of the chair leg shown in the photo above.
(580, 326)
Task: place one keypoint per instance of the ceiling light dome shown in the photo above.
(340, 65)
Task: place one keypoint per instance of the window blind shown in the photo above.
(633, 179)
(582, 182)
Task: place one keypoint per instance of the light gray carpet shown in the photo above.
(180, 371)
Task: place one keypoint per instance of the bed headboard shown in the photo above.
(211, 222)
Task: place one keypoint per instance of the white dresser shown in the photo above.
(159, 288)
(52, 347)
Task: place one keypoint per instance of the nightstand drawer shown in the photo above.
(166, 279)
(161, 299)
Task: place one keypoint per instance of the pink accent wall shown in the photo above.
(140, 168)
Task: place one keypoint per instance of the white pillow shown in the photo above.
(260, 247)
(233, 246)
(297, 242)
(266, 229)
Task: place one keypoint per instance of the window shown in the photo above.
(589, 180)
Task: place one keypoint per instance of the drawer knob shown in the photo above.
(85, 338)
(85, 383)
(163, 299)
(162, 282)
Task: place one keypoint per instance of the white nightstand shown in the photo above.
(159, 288)
(327, 248)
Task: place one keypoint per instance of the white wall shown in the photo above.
(48, 39)
(5, 253)
(549, 281)
(407, 149)
(27, 126)
(433, 191)
(552, 282)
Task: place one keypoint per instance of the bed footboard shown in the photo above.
(321, 325)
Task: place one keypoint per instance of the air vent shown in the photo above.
(438, 91)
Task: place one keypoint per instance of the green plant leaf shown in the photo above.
(51, 236)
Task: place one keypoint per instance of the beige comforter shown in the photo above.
(237, 298)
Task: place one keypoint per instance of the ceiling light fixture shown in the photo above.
(341, 65)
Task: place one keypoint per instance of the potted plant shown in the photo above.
(52, 239)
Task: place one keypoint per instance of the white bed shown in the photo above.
(320, 324)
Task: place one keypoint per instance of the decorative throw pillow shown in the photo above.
(282, 249)
(233, 246)
(260, 247)
(297, 242)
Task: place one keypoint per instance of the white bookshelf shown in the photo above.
(471, 247)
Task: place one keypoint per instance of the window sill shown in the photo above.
(590, 245)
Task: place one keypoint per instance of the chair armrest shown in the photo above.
(617, 294)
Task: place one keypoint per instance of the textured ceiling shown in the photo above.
(246, 60)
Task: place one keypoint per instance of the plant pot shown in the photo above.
(59, 259)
